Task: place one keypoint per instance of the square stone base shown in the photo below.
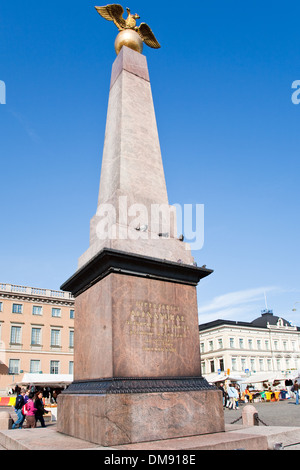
(115, 419)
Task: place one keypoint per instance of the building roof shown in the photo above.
(266, 318)
(214, 323)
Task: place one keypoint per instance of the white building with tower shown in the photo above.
(267, 344)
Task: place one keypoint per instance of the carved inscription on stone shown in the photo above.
(162, 327)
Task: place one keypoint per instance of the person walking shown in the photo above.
(30, 412)
(289, 384)
(233, 396)
(26, 396)
(40, 411)
(18, 409)
(237, 396)
(295, 389)
(221, 387)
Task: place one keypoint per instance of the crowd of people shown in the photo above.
(232, 394)
(49, 394)
(30, 407)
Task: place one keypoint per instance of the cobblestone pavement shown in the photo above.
(280, 413)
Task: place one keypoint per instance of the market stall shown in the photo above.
(50, 384)
(216, 378)
(267, 386)
(45, 380)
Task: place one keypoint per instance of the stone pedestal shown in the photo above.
(5, 420)
(137, 355)
(126, 418)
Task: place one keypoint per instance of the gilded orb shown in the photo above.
(129, 38)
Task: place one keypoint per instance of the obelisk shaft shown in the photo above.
(132, 175)
(132, 163)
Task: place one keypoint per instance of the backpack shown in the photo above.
(19, 402)
(24, 409)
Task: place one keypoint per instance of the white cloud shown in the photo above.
(234, 304)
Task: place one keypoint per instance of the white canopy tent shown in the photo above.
(213, 378)
(264, 377)
(46, 380)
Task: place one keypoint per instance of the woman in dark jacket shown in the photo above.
(40, 411)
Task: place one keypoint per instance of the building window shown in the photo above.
(202, 347)
(71, 367)
(221, 363)
(72, 313)
(241, 343)
(278, 364)
(243, 363)
(212, 366)
(234, 364)
(269, 364)
(71, 339)
(259, 344)
(37, 310)
(261, 365)
(276, 344)
(35, 366)
(17, 308)
(231, 342)
(252, 365)
(36, 336)
(267, 345)
(14, 366)
(15, 335)
(211, 345)
(250, 343)
(56, 312)
(220, 343)
(54, 367)
(1, 306)
(55, 338)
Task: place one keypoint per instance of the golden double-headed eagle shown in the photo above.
(115, 13)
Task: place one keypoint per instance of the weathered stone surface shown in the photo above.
(249, 414)
(5, 420)
(136, 327)
(130, 418)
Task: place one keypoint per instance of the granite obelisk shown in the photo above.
(132, 174)
(137, 373)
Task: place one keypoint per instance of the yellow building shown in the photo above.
(36, 333)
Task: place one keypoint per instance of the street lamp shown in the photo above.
(294, 309)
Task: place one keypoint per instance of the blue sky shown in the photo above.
(229, 135)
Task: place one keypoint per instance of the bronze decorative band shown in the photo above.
(138, 385)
